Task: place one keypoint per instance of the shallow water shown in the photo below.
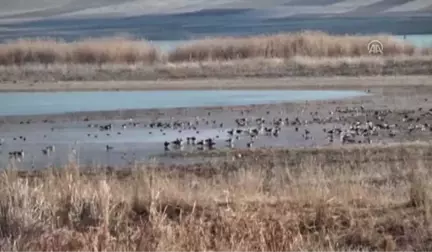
(419, 40)
(34, 103)
(75, 141)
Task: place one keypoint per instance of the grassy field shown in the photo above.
(293, 54)
(258, 67)
(353, 198)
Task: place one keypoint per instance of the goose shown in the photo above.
(20, 154)
(178, 142)
(16, 154)
(230, 142)
(210, 143)
(51, 148)
(166, 145)
(47, 150)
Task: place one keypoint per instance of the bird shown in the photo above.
(47, 150)
(51, 148)
(166, 145)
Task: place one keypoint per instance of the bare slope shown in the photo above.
(75, 8)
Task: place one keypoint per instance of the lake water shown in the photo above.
(21, 103)
(420, 40)
(172, 29)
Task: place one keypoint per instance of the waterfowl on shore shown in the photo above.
(105, 127)
(49, 149)
(210, 143)
(166, 145)
(16, 154)
(178, 142)
(356, 124)
(230, 132)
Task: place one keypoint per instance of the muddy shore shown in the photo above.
(313, 83)
(137, 142)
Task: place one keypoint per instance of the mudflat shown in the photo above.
(338, 82)
(393, 109)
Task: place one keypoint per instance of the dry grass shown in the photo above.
(90, 51)
(125, 50)
(289, 54)
(259, 67)
(308, 44)
(353, 203)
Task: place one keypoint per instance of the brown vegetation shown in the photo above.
(90, 51)
(129, 51)
(289, 54)
(308, 44)
(280, 200)
(259, 67)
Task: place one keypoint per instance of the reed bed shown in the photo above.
(89, 51)
(287, 54)
(124, 50)
(249, 203)
(258, 67)
(308, 44)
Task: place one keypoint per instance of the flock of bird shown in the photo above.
(349, 125)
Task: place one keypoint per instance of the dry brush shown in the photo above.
(266, 201)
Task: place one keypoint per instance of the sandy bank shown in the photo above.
(339, 82)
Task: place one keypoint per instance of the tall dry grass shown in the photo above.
(287, 54)
(315, 202)
(258, 67)
(129, 51)
(89, 51)
(309, 44)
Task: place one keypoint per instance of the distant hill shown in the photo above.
(277, 8)
(185, 19)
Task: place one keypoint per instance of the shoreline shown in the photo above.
(372, 86)
(124, 114)
(269, 68)
(295, 83)
(138, 144)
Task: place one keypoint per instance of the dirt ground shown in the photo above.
(338, 82)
